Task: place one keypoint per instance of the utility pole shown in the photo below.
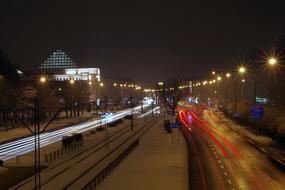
(132, 118)
(37, 144)
(152, 106)
(235, 96)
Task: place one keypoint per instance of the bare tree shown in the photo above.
(170, 94)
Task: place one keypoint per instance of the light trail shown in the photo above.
(196, 120)
(22, 146)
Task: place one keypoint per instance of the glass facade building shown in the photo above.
(58, 60)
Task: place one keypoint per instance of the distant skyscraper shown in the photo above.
(58, 60)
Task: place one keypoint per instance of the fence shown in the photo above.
(56, 155)
(108, 169)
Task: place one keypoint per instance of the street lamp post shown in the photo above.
(242, 89)
(241, 70)
(272, 61)
(228, 75)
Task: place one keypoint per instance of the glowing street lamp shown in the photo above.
(71, 81)
(228, 75)
(43, 79)
(115, 84)
(241, 70)
(213, 72)
(272, 61)
(101, 84)
(90, 83)
(243, 80)
(160, 83)
(219, 78)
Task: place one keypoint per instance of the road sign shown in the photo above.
(175, 125)
(256, 112)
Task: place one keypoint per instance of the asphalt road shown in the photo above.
(221, 159)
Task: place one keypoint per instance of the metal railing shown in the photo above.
(65, 150)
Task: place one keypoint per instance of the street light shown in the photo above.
(213, 72)
(72, 81)
(219, 78)
(101, 84)
(228, 75)
(115, 84)
(43, 79)
(241, 70)
(90, 83)
(243, 80)
(160, 83)
(272, 61)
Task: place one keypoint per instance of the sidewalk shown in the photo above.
(155, 164)
(56, 124)
(265, 144)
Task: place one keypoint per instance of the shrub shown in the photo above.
(281, 133)
(92, 132)
(99, 129)
(230, 108)
(273, 127)
(243, 109)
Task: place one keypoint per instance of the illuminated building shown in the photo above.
(60, 67)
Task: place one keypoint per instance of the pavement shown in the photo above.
(155, 164)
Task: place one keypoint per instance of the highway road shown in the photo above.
(221, 159)
(22, 146)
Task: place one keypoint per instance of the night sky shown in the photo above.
(144, 40)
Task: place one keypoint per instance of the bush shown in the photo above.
(66, 140)
(166, 124)
(281, 134)
(77, 136)
(243, 109)
(99, 129)
(128, 116)
(273, 127)
(270, 114)
(230, 108)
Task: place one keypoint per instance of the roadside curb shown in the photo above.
(254, 144)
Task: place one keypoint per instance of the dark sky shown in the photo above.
(144, 40)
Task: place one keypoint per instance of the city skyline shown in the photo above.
(130, 39)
